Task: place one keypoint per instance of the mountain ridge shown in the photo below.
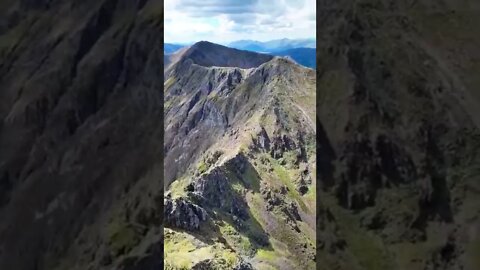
(169, 48)
(302, 55)
(206, 53)
(219, 122)
(272, 46)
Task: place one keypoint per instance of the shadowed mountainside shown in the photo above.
(398, 163)
(80, 134)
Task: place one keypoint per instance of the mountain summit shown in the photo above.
(240, 156)
(209, 54)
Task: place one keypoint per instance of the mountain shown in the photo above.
(304, 56)
(240, 161)
(209, 54)
(398, 126)
(300, 50)
(169, 48)
(249, 45)
(81, 145)
(273, 45)
(283, 47)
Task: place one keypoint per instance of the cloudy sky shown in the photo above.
(223, 21)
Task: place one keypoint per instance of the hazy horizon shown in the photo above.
(226, 43)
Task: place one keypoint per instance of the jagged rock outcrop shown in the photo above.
(182, 214)
(204, 265)
(271, 198)
(210, 264)
(214, 189)
(243, 265)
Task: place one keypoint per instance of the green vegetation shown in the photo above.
(473, 251)
(267, 255)
(236, 239)
(284, 177)
(251, 178)
(214, 97)
(311, 194)
(122, 237)
(177, 188)
(202, 167)
(225, 259)
(182, 251)
(367, 248)
(168, 266)
(289, 158)
(168, 83)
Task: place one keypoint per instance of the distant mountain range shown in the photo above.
(169, 48)
(273, 45)
(303, 56)
(301, 51)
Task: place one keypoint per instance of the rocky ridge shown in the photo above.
(226, 151)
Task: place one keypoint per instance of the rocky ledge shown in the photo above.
(179, 213)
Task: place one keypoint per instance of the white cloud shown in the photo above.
(227, 20)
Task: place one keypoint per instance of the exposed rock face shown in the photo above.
(204, 265)
(242, 265)
(210, 264)
(214, 190)
(272, 198)
(179, 213)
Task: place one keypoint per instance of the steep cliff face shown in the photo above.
(240, 158)
(80, 134)
(399, 124)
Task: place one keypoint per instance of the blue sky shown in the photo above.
(223, 21)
